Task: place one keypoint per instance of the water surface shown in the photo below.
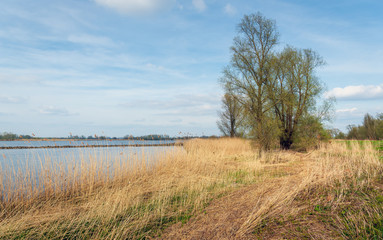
(51, 143)
(33, 165)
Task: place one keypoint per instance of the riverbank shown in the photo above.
(213, 189)
(96, 146)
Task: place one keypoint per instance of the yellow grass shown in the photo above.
(129, 200)
(134, 200)
(339, 182)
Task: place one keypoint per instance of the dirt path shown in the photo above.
(223, 218)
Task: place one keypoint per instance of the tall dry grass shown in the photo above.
(109, 200)
(128, 198)
(338, 184)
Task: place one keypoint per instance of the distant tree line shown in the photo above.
(149, 137)
(371, 128)
(270, 95)
(91, 137)
(7, 136)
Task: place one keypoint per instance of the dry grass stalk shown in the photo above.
(328, 173)
(133, 199)
(129, 200)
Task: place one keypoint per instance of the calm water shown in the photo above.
(81, 143)
(29, 158)
(19, 157)
(31, 162)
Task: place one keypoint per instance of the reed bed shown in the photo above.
(337, 195)
(332, 189)
(123, 198)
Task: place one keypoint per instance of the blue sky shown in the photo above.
(117, 67)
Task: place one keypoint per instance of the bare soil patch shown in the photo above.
(224, 217)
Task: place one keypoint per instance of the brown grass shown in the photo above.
(334, 196)
(134, 200)
(129, 200)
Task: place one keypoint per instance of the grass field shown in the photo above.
(377, 144)
(332, 192)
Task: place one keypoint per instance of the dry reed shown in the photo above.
(124, 199)
(328, 181)
(128, 199)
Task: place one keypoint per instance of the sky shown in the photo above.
(137, 67)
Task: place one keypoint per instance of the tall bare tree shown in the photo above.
(369, 123)
(250, 66)
(230, 117)
(276, 90)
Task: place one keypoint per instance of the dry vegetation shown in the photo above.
(332, 192)
(336, 195)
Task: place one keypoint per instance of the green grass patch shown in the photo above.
(238, 176)
(377, 144)
(364, 218)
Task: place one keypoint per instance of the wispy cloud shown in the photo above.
(354, 68)
(346, 110)
(91, 40)
(185, 105)
(55, 111)
(178, 101)
(326, 40)
(137, 7)
(230, 10)
(200, 5)
(62, 58)
(5, 99)
(359, 92)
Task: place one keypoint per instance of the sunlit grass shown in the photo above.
(128, 198)
(338, 189)
(122, 198)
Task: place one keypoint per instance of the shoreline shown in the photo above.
(96, 146)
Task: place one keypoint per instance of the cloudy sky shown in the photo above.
(117, 67)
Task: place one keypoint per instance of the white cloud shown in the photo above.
(182, 102)
(230, 10)
(200, 5)
(51, 110)
(347, 110)
(136, 7)
(359, 92)
(4, 99)
(90, 40)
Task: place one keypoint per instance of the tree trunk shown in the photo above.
(286, 140)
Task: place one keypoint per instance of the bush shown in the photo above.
(309, 134)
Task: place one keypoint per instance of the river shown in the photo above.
(32, 165)
(84, 143)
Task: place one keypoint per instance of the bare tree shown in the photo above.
(250, 66)
(230, 117)
(275, 89)
(369, 123)
(294, 90)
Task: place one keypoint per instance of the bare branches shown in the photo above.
(295, 90)
(275, 90)
(231, 116)
(249, 70)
